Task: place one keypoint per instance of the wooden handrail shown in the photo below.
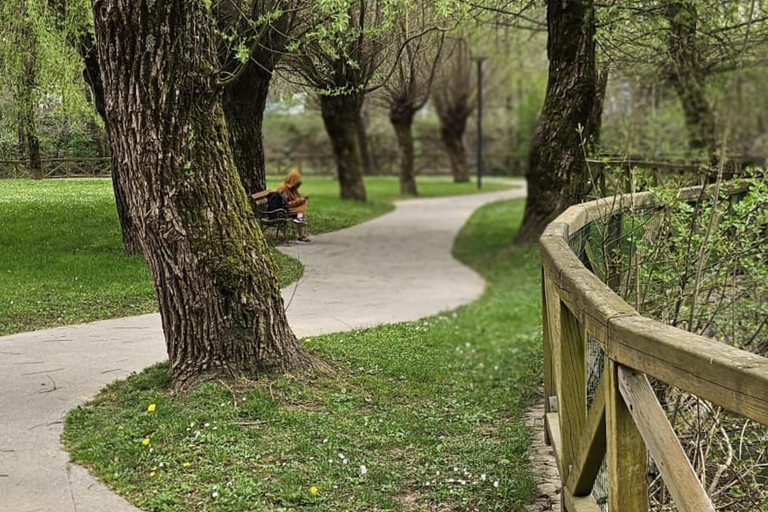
(575, 302)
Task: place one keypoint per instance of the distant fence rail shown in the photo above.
(427, 163)
(606, 418)
(58, 167)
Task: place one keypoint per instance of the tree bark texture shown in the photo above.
(92, 76)
(218, 297)
(402, 122)
(688, 77)
(340, 116)
(366, 154)
(452, 130)
(244, 102)
(557, 172)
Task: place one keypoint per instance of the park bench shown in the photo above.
(276, 220)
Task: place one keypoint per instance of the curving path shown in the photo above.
(395, 268)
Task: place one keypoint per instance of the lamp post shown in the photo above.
(479, 60)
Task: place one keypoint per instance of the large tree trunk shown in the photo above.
(218, 297)
(402, 122)
(556, 174)
(244, 102)
(452, 135)
(340, 116)
(688, 78)
(366, 155)
(92, 76)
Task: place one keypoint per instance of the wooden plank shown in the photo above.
(662, 443)
(572, 399)
(579, 503)
(552, 424)
(625, 450)
(734, 379)
(553, 324)
(549, 381)
(592, 301)
(587, 464)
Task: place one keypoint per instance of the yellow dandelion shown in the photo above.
(119, 427)
(152, 407)
(145, 442)
(313, 489)
(187, 464)
(307, 340)
(152, 473)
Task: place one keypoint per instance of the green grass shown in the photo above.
(61, 259)
(433, 410)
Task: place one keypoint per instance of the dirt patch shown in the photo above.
(543, 465)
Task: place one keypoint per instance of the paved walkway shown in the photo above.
(394, 268)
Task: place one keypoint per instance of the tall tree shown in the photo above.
(344, 59)
(688, 76)
(455, 98)
(338, 60)
(407, 91)
(557, 173)
(22, 63)
(685, 44)
(217, 293)
(264, 28)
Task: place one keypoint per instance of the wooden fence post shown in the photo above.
(626, 453)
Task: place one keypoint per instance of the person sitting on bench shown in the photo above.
(296, 203)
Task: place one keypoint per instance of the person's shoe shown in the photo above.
(303, 240)
(299, 221)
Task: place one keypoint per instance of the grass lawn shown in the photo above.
(420, 416)
(61, 259)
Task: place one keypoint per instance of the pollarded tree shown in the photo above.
(455, 98)
(254, 35)
(339, 59)
(343, 59)
(217, 293)
(407, 90)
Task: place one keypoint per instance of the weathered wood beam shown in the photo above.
(587, 464)
(660, 438)
(626, 453)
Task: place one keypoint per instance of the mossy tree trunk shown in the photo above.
(92, 76)
(401, 118)
(689, 79)
(340, 116)
(244, 102)
(452, 130)
(218, 297)
(557, 173)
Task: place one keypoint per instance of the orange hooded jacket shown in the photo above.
(290, 189)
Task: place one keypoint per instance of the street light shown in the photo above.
(479, 60)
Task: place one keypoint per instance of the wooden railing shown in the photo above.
(58, 167)
(625, 422)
